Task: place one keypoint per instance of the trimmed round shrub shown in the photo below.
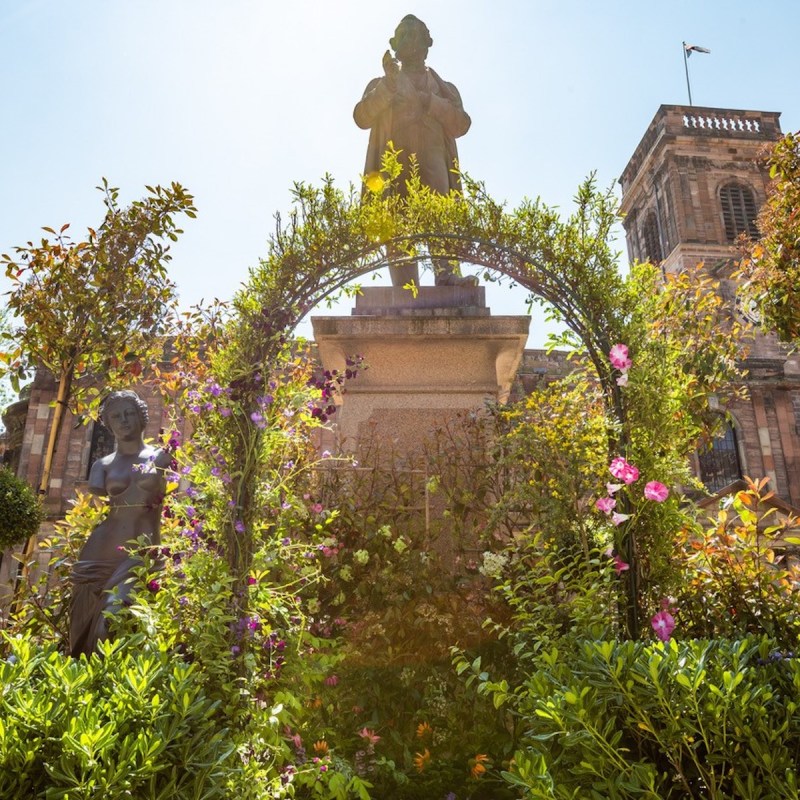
(20, 510)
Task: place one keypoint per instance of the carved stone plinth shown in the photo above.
(428, 357)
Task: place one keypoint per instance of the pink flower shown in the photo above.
(618, 356)
(620, 565)
(332, 680)
(618, 519)
(369, 735)
(656, 492)
(153, 585)
(663, 624)
(605, 504)
(623, 379)
(613, 488)
(623, 471)
(317, 508)
(251, 581)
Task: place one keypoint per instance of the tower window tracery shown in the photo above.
(738, 211)
(652, 240)
(719, 460)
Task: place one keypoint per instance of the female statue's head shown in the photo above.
(113, 404)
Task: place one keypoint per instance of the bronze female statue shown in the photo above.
(132, 478)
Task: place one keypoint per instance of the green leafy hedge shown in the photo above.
(20, 510)
(134, 723)
(695, 719)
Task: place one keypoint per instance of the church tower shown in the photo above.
(694, 184)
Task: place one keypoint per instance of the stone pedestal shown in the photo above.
(428, 357)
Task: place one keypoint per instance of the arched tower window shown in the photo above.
(652, 241)
(719, 461)
(738, 211)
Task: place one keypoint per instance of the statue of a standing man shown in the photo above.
(421, 114)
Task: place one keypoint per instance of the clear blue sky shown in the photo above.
(238, 99)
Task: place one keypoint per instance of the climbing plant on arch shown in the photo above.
(682, 344)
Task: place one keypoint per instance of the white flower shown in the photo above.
(493, 564)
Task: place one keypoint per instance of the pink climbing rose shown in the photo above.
(663, 624)
(623, 471)
(605, 504)
(620, 566)
(618, 356)
(656, 492)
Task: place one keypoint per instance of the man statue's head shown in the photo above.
(411, 40)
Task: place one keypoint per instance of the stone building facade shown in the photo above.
(693, 186)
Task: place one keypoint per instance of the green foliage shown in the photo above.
(771, 270)
(555, 597)
(7, 396)
(711, 719)
(595, 717)
(736, 577)
(20, 510)
(681, 350)
(553, 450)
(403, 581)
(45, 595)
(95, 307)
(314, 603)
(132, 721)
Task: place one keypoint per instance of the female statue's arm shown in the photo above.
(163, 459)
(97, 478)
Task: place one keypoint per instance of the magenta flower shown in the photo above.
(618, 519)
(332, 680)
(623, 471)
(251, 581)
(153, 585)
(656, 492)
(317, 508)
(663, 624)
(605, 504)
(618, 356)
(620, 565)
